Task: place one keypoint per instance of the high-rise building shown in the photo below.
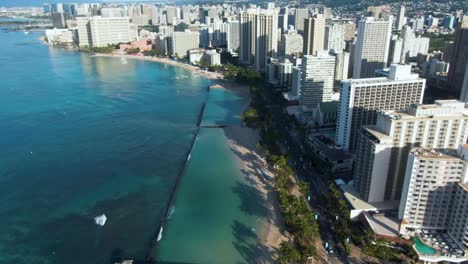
(418, 23)
(318, 72)
(412, 45)
(171, 14)
(334, 37)
(372, 46)
(112, 12)
(299, 17)
(401, 20)
(233, 34)
(181, 42)
(258, 36)
(382, 150)
(362, 99)
(341, 66)
(283, 19)
(248, 35)
(291, 43)
(56, 8)
(103, 31)
(449, 22)
(47, 8)
(186, 15)
(464, 92)
(59, 19)
(396, 49)
(314, 34)
(460, 58)
(295, 91)
(431, 178)
(327, 13)
(458, 226)
(285, 73)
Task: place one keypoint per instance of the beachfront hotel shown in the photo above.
(361, 99)
(431, 179)
(179, 43)
(383, 149)
(100, 31)
(434, 203)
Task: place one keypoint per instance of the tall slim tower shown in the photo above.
(401, 17)
(247, 37)
(373, 44)
(318, 73)
(314, 34)
(300, 16)
(258, 36)
(459, 58)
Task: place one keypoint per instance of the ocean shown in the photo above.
(83, 136)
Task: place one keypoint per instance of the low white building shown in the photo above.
(59, 36)
(195, 55)
(212, 57)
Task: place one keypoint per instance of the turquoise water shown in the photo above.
(423, 248)
(217, 212)
(223, 108)
(83, 136)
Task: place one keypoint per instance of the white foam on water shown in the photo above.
(171, 212)
(100, 220)
(160, 234)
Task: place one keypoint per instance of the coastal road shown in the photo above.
(318, 185)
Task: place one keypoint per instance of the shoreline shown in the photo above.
(243, 142)
(194, 69)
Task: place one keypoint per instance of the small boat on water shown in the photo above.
(123, 60)
(26, 32)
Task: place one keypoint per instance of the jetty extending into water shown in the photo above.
(168, 209)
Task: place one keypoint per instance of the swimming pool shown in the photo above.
(423, 248)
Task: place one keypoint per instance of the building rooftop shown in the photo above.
(380, 80)
(440, 109)
(355, 200)
(381, 137)
(429, 153)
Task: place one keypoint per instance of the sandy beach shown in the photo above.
(194, 69)
(243, 142)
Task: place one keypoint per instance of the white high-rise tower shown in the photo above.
(372, 46)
